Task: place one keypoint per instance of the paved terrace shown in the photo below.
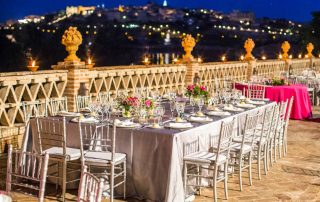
(293, 178)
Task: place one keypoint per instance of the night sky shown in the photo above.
(298, 10)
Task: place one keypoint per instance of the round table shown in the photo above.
(301, 108)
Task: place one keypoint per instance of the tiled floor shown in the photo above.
(293, 178)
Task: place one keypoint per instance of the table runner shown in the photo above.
(155, 156)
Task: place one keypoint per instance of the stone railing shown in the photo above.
(43, 85)
(25, 86)
(129, 78)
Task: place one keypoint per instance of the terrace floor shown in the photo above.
(293, 178)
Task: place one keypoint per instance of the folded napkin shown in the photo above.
(200, 118)
(218, 113)
(245, 105)
(257, 102)
(180, 125)
(65, 113)
(85, 120)
(232, 108)
(125, 123)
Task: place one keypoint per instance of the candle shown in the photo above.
(33, 63)
(223, 58)
(241, 57)
(280, 56)
(264, 58)
(89, 61)
(199, 59)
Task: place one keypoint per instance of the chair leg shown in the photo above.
(240, 173)
(258, 159)
(64, 179)
(226, 180)
(185, 178)
(215, 193)
(265, 159)
(250, 168)
(125, 178)
(200, 179)
(112, 183)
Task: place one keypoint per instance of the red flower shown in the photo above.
(203, 88)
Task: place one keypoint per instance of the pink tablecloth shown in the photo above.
(301, 108)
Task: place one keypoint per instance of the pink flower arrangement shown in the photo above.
(129, 102)
(196, 90)
(149, 103)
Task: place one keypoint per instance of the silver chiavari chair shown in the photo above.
(311, 90)
(90, 187)
(31, 173)
(273, 131)
(52, 140)
(82, 102)
(58, 105)
(261, 141)
(98, 152)
(32, 109)
(283, 138)
(256, 91)
(277, 145)
(242, 150)
(215, 160)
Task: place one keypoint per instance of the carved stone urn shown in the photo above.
(285, 48)
(188, 43)
(310, 48)
(71, 39)
(249, 45)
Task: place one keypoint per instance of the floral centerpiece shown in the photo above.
(149, 104)
(197, 91)
(127, 103)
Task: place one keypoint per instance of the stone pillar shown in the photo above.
(192, 69)
(77, 74)
(251, 67)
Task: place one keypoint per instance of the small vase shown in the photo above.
(126, 113)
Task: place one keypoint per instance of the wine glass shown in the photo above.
(192, 103)
(200, 103)
(159, 112)
(180, 108)
(172, 107)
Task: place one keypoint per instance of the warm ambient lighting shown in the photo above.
(33, 63)
(280, 56)
(89, 62)
(241, 57)
(223, 58)
(199, 59)
(263, 57)
(290, 56)
(306, 56)
(175, 60)
(300, 56)
(146, 61)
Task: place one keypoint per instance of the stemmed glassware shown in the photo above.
(172, 107)
(192, 103)
(200, 103)
(159, 112)
(180, 108)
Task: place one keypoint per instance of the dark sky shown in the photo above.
(298, 10)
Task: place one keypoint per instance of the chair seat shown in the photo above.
(205, 157)
(73, 153)
(93, 157)
(237, 146)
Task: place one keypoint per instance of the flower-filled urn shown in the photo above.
(188, 43)
(310, 48)
(285, 48)
(71, 39)
(249, 45)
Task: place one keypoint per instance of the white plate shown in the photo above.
(248, 106)
(218, 113)
(257, 102)
(204, 119)
(260, 99)
(179, 125)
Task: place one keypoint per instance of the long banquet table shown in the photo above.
(155, 156)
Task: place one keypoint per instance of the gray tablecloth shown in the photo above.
(155, 156)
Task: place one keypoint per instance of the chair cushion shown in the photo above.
(102, 157)
(204, 157)
(237, 146)
(71, 152)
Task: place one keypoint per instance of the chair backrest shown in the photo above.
(90, 187)
(32, 109)
(57, 105)
(103, 97)
(225, 139)
(31, 173)
(256, 91)
(288, 112)
(97, 138)
(191, 147)
(82, 102)
(267, 123)
(283, 111)
(249, 131)
(51, 133)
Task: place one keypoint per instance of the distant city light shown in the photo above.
(263, 57)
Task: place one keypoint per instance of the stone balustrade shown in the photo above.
(17, 87)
